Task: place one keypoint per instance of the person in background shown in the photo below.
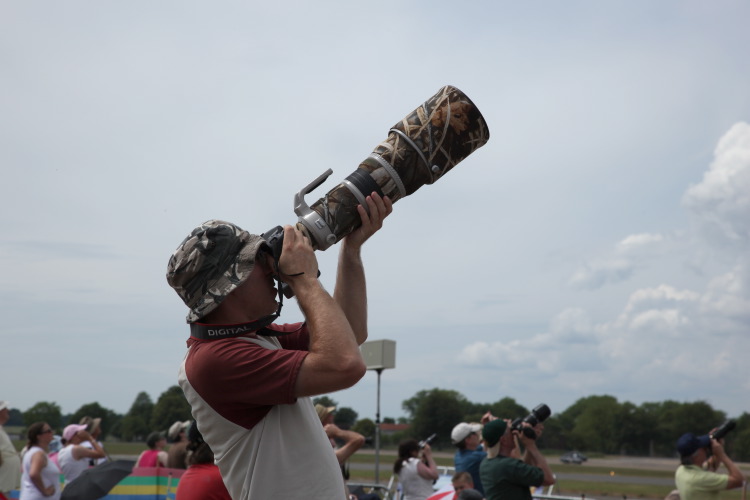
(75, 458)
(352, 440)
(177, 453)
(504, 475)
(202, 480)
(10, 461)
(154, 456)
(40, 479)
(463, 486)
(695, 483)
(416, 474)
(469, 494)
(94, 427)
(470, 452)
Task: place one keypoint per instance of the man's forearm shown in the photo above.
(353, 441)
(351, 289)
(334, 361)
(534, 457)
(736, 478)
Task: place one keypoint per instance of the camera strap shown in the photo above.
(205, 331)
(216, 332)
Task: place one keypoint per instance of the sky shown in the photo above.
(599, 242)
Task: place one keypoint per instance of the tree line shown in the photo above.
(143, 417)
(594, 424)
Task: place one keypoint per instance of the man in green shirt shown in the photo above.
(692, 480)
(504, 475)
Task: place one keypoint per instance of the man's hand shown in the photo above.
(526, 441)
(538, 429)
(717, 449)
(379, 208)
(297, 263)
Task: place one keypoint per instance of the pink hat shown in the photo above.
(71, 431)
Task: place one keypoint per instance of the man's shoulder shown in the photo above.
(695, 473)
(512, 463)
(468, 457)
(468, 453)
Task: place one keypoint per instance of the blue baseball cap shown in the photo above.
(689, 443)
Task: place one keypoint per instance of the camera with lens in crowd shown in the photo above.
(723, 430)
(427, 441)
(537, 415)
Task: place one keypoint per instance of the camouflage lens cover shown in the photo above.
(419, 150)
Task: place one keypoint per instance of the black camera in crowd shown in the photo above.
(723, 430)
(537, 415)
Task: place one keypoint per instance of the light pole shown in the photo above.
(377, 431)
(378, 355)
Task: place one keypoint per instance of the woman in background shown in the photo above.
(202, 480)
(40, 478)
(155, 456)
(75, 458)
(416, 476)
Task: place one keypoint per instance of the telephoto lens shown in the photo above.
(724, 429)
(537, 415)
(419, 150)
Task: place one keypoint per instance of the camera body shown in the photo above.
(724, 429)
(537, 415)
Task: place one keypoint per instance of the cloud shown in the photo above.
(596, 274)
(721, 201)
(636, 242)
(667, 341)
(628, 256)
(720, 208)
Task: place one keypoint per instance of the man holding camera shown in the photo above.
(504, 474)
(249, 381)
(692, 480)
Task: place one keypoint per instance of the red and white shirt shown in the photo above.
(266, 442)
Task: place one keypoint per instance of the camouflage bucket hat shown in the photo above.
(210, 263)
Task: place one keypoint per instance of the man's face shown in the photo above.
(459, 486)
(472, 441)
(258, 291)
(4, 416)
